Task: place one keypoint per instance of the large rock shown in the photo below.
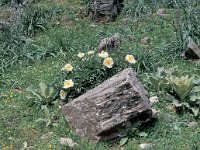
(109, 8)
(99, 113)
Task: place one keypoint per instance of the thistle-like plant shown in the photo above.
(181, 85)
(158, 80)
(48, 119)
(41, 96)
(195, 100)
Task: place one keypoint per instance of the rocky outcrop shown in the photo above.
(98, 114)
(109, 8)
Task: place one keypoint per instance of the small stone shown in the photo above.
(154, 99)
(18, 90)
(171, 107)
(131, 38)
(46, 136)
(146, 145)
(93, 25)
(192, 124)
(145, 41)
(155, 111)
(109, 43)
(126, 20)
(161, 12)
(67, 141)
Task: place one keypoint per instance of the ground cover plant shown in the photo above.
(52, 53)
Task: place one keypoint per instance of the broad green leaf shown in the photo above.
(43, 88)
(196, 82)
(182, 86)
(186, 105)
(195, 111)
(195, 89)
(143, 134)
(160, 70)
(29, 89)
(177, 104)
(154, 82)
(40, 120)
(123, 141)
(46, 111)
(51, 91)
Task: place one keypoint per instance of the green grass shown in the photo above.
(60, 44)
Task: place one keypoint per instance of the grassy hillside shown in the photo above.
(52, 32)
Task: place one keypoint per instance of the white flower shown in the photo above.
(103, 54)
(68, 84)
(108, 62)
(91, 52)
(130, 59)
(63, 95)
(68, 67)
(81, 55)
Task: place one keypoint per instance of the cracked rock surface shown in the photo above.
(98, 113)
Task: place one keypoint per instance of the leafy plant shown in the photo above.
(195, 100)
(48, 119)
(123, 141)
(158, 79)
(44, 95)
(188, 93)
(182, 86)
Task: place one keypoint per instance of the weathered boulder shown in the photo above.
(193, 51)
(98, 114)
(145, 41)
(109, 8)
(109, 43)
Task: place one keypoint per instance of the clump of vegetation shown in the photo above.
(137, 8)
(42, 96)
(34, 20)
(92, 71)
(181, 87)
(186, 23)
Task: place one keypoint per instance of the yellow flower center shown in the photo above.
(108, 62)
(130, 58)
(67, 84)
